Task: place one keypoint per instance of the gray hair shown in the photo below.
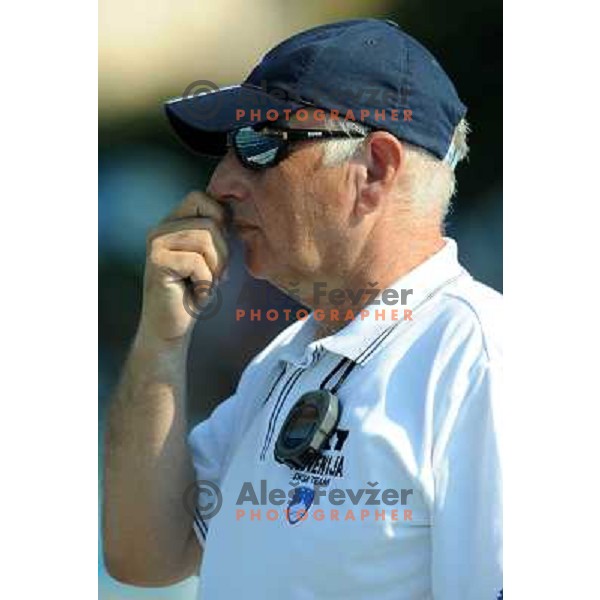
(430, 182)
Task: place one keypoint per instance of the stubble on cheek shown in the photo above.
(297, 218)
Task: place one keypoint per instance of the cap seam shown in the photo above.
(322, 49)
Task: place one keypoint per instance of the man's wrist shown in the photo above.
(169, 352)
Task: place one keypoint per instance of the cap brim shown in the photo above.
(202, 121)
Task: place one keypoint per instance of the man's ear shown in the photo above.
(383, 158)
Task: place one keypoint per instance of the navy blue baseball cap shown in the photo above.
(366, 70)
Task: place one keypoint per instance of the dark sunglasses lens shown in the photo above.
(257, 149)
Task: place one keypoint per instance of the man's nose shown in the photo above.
(229, 180)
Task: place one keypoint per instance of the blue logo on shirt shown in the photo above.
(298, 506)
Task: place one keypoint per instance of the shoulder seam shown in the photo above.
(474, 311)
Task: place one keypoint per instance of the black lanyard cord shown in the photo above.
(349, 364)
(344, 376)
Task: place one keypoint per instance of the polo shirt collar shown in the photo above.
(359, 339)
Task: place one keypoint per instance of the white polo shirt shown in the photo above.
(419, 414)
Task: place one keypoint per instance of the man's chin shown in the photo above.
(255, 266)
(263, 268)
(256, 273)
(262, 264)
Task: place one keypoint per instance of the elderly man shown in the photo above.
(358, 456)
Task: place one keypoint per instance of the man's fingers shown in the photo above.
(195, 240)
(193, 235)
(200, 205)
(182, 265)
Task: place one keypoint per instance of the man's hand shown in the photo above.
(186, 248)
(148, 536)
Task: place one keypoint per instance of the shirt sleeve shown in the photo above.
(467, 521)
(210, 443)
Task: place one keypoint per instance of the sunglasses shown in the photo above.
(264, 148)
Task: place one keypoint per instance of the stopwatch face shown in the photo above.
(307, 427)
(301, 425)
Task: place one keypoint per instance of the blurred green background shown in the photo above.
(150, 51)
